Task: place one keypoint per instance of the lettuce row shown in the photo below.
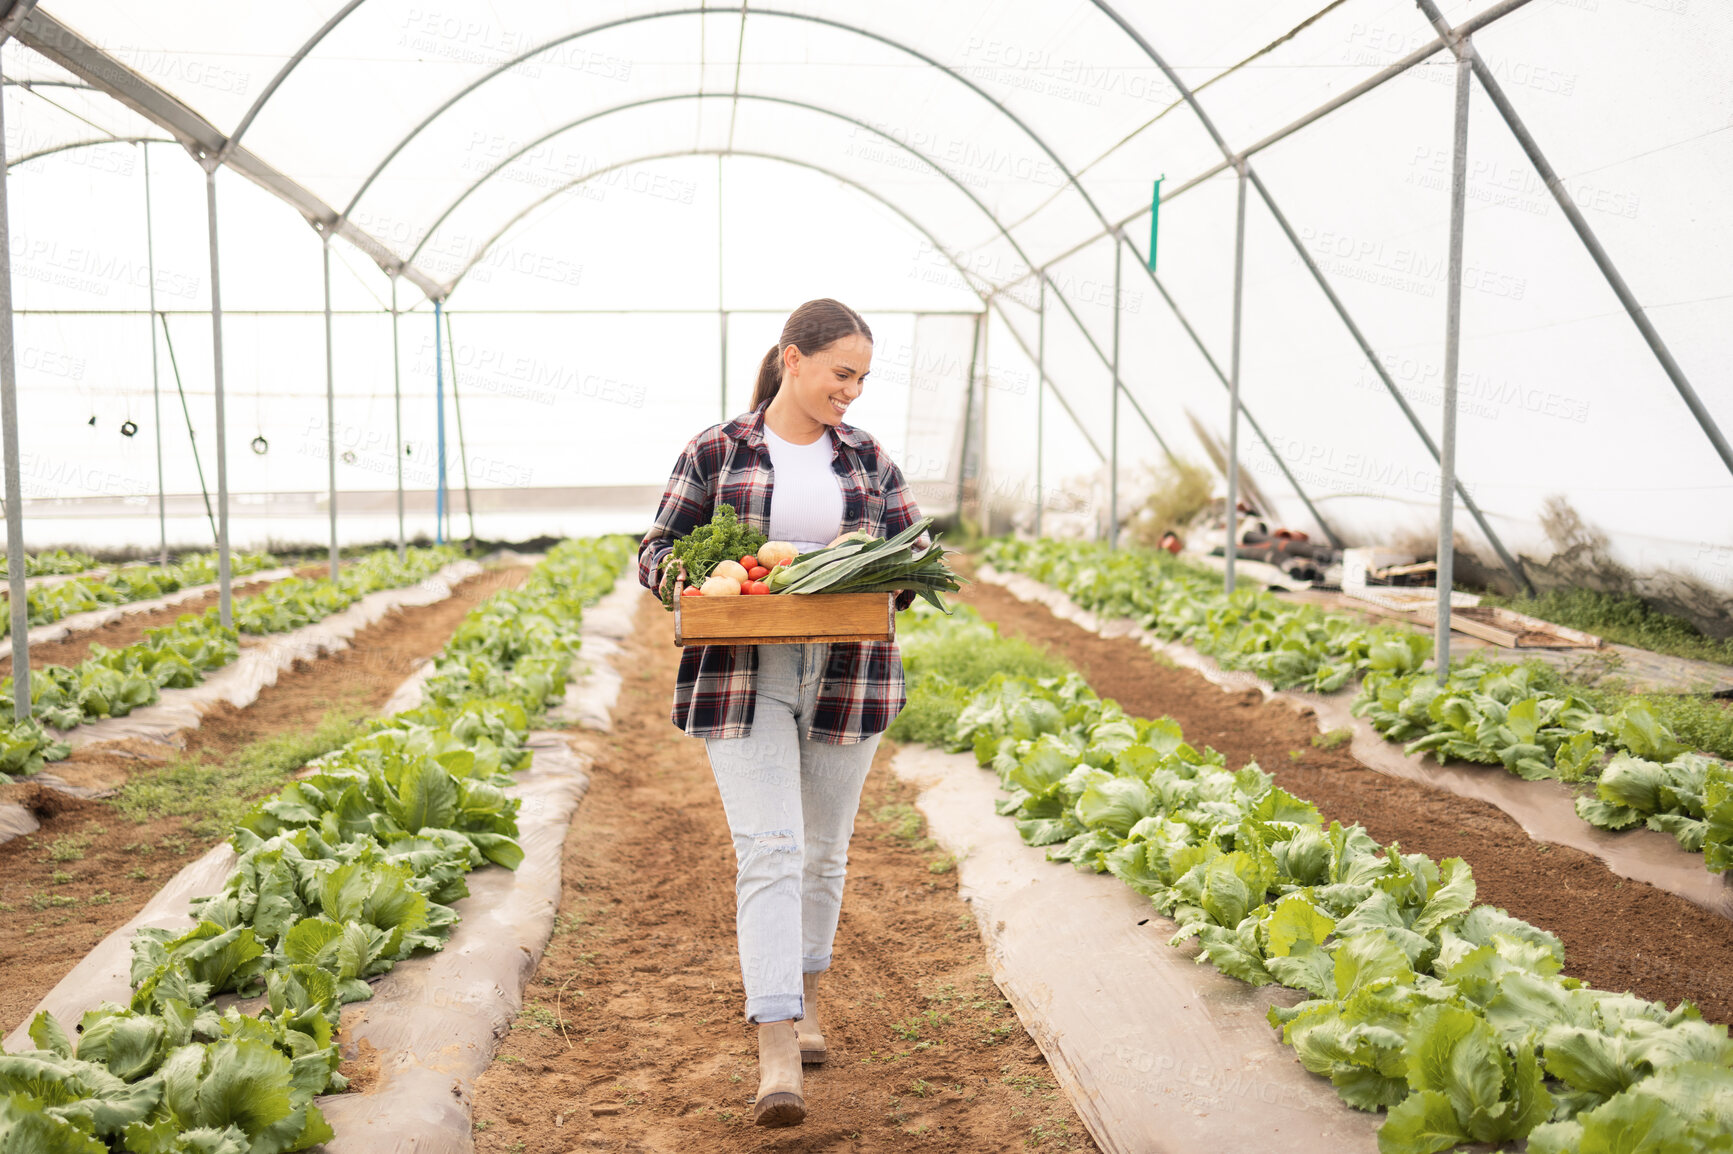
(1454, 1017)
(1291, 646)
(47, 604)
(341, 875)
(1499, 714)
(50, 561)
(114, 682)
(1492, 713)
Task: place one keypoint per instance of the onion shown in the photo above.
(773, 553)
(719, 585)
(732, 569)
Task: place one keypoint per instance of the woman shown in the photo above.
(790, 729)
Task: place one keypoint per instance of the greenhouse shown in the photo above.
(1286, 478)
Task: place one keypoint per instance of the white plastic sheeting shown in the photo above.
(671, 162)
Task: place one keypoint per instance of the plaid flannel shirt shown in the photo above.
(862, 689)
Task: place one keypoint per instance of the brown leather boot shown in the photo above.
(808, 1030)
(780, 1101)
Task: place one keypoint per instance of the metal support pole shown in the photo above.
(721, 312)
(968, 410)
(226, 614)
(1511, 565)
(15, 588)
(330, 409)
(439, 423)
(1113, 422)
(397, 417)
(1452, 347)
(1233, 517)
(155, 368)
(1464, 49)
(462, 448)
(982, 491)
(1040, 401)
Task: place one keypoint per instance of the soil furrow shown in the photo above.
(1618, 934)
(632, 1036)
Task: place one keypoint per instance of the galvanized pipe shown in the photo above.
(1579, 223)
(1107, 363)
(225, 597)
(1113, 421)
(330, 408)
(155, 367)
(15, 587)
(397, 417)
(968, 410)
(1452, 348)
(439, 424)
(1233, 520)
(462, 447)
(1040, 402)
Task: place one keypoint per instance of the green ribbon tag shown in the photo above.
(1154, 218)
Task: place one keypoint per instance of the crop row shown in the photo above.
(341, 876)
(114, 682)
(46, 604)
(50, 562)
(1454, 1017)
(1522, 717)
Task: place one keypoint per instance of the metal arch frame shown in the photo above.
(1003, 230)
(47, 36)
(289, 66)
(806, 17)
(1072, 181)
(1244, 167)
(77, 144)
(988, 300)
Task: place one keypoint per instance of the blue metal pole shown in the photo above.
(439, 403)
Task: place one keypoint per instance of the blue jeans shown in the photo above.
(791, 804)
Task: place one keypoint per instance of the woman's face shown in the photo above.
(821, 387)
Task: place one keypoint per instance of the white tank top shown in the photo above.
(805, 500)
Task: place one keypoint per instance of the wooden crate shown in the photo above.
(783, 618)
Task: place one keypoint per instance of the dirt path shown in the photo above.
(632, 1037)
(130, 628)
(91, 867)
(1618, 934)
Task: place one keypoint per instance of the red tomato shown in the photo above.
(785, 561)
(749, 562)
(693, 591)
(758, 572)
(754, 587)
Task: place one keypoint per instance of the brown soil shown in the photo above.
(1618, 934)
(632, 1037)
(90, 868)
(130, 628)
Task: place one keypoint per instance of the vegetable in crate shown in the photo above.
(863, 564)
(707, 547)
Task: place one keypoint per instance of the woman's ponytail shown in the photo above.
(769, 376)
(813, 326)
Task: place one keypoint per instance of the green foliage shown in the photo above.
(50, 561)
(340, 876)
(1180, 489)
(217, 794)
(1291, 646)
(723, 539)
(864, 564)
(114, 682)
(945, 659)
(1454, 1017)
(49, 603)
(1623, 618)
